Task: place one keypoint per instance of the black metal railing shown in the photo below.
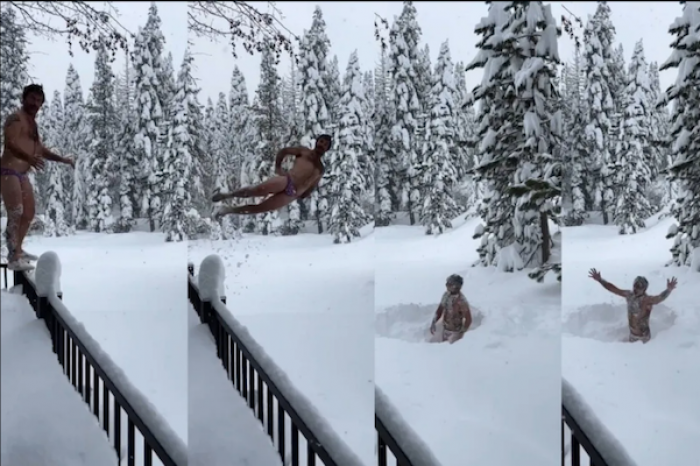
(98, 391)
(261, 394)
(387, 445)
(5, 283)
(578, 441)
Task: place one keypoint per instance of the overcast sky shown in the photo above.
(350, 26)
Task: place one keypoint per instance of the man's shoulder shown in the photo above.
(14, 117)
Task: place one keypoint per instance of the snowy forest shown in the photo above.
(632, 150)
(541, 142)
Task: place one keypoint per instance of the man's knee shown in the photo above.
(27, 214)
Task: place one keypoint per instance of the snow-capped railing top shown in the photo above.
(600, 444)
(394, 432)
(43, 293)
(206, 291)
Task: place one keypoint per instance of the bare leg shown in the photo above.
(12, 198)
(456, 337)
(272, 203)
(28, 210)
(276, 184)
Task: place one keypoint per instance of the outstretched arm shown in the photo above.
(660, 297)
(595, 275)
(612, 288)
(52, 156)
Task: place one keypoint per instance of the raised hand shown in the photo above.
(671, 284)
(594, 274)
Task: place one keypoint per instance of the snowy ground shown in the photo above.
(647, 395)
(129, 292)
(222, 429)
(44, 420)
(491, 398)
(308, 302)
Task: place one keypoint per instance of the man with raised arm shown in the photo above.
(454, 308)
(22, 150)
(298, 183)
(639, 303)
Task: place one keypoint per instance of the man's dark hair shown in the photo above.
(327, 137)
(34, 89)
(455, 279)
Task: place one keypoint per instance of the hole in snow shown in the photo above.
(607, 322)
(411, 322)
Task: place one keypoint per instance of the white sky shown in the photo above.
(350, 26)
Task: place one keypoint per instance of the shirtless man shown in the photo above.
(639, 303)
(298, 183)
(455, 309)
(22, 151)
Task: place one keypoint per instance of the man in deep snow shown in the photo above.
(639, 303)
(22, 150)
(298, 183)
(455, 309)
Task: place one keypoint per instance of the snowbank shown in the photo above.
(48, 273)
(607, 445)
(211, 278)
(327, 437)
(415, 448)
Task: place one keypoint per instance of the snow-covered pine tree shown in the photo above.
(149, 115)
(685, 133)
(463, 153)
(128, 163)
(315, 106)
(537, 181)
(367, 159)
(618, 83)
(659, 141)
(438, 173)
(270, 132)
(498, 140)
(632, 173)
(101, 161)
(220, 150)
(13, 49)
(77, 126)
(404, 58)
(345, 177)
(576, 145)
(241, 131)
(55, 194)
(598, 37)
(384, 160)
(179, 223)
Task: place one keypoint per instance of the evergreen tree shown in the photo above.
(498, 140)
(77, 126)
(101, 162)
(685, 132)
(438, 171)
(149, 115)
(537, 180)
(13, 49)
(385, 189)
(178, 166)
(346, 179)
(576, 152)
(315, 104)
(404, 59)
(598, 39)
(55, 194)
(270, 126)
